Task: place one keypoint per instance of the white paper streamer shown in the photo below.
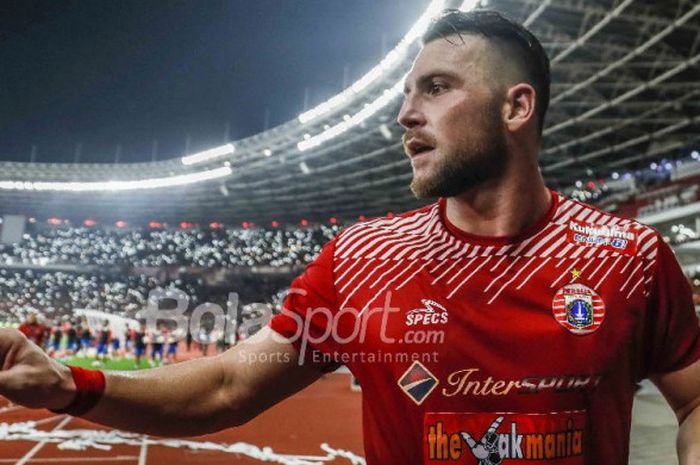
(82, 439)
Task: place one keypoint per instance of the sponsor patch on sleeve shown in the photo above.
(504, 438)
(612, 238)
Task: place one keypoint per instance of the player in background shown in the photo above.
(117, 343)
(85, 337)
(128, 338)
(72, 340)
(56, 338)
(140, 336)
(157, 339)
(172, 339)
(103, 338)
(220, 338)
(188, 340)
(204, 339)
(34, 331)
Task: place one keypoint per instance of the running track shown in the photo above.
(326, 412)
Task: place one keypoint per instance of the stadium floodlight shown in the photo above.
(392, 58)
(370, 109)
(208, 155)
(387, 96)
(111, 186)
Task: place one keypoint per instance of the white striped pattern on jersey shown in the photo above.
(387, 253)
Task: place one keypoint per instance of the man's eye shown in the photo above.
(436, 88)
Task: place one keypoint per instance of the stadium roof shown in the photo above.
(624, 93)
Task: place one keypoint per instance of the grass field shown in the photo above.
(110, 364)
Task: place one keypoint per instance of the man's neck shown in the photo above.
(500, 210)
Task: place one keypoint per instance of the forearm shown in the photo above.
(688, 443)
(184, 399)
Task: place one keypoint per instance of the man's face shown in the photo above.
(452, 114)
(31, 318)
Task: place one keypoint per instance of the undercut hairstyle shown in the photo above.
(513, 40)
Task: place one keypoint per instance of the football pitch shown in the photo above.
(120, 364)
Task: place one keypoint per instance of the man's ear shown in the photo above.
(519, 107)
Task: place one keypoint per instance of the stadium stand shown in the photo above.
(55, 294)
(234, 247)
(625, 93)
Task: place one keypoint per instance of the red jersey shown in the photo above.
(34, 333)
(478, 350)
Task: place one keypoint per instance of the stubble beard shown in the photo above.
(480, 157)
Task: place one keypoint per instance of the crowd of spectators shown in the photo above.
(53, 294)
(221, 248)
(28, 283)
(678, 196)
(681, 234)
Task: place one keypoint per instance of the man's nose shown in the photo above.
(410, 116)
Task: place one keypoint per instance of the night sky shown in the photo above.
(123, 73)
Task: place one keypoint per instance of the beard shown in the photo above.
(478, 158)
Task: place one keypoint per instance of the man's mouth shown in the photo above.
(416, 148)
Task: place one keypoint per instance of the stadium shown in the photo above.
(87, 245)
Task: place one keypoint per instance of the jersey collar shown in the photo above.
(536, 227)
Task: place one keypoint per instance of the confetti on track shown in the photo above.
(320, 425)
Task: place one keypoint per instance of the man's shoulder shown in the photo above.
(590, 221)
(393, 222)
(364, 235)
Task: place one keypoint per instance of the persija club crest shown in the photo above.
(578, 308)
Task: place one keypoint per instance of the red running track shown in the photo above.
(326, 412)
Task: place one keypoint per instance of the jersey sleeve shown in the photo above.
(672, 338)
(307, 316)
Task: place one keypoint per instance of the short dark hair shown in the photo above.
(492, 24)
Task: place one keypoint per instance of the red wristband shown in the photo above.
(89, 387)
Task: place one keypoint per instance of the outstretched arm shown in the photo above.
(186, 399)
(682, 391)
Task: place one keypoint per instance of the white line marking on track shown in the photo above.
(87, 439)
(144, 452)
(48, 420)
(41, 444)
